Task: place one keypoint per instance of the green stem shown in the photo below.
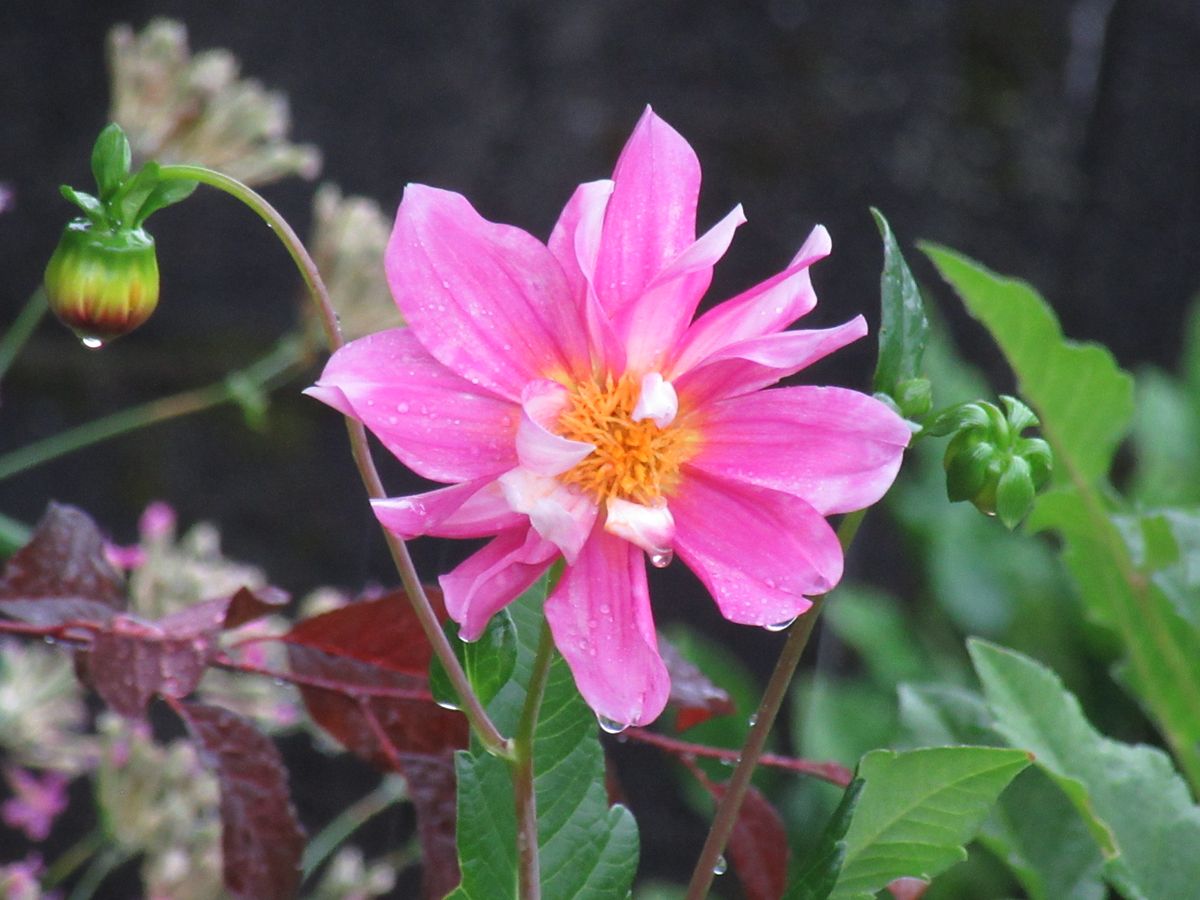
(79, 853)
(13, 536)
(491, 739)
(529, 879)
(391, 790)
(731, 803)
(100, 868)
(273, 369)
(20, 330)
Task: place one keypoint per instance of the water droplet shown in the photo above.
(446, 704)
(720, 867)
(660, 559)
(781, 626)
(611, 727)
(401, 407)
(49, 640)
(752, 720)
(92, 343)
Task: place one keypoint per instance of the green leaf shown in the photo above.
(127, 203)
(940, 714)
(1037, 833)
(111, 158)
(879, 629)
(903, 329)
(1083, 400)
(917, 810)
(815, 878)
(92, 207)
(588, 849)
(1137, 807)
(163, 195)
(489, 662)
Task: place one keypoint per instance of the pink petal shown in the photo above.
(652, 324)
(649, 527)
(441, 426)
(766, 308)
(473, 509)
(493, 577)
(750, 365)
(758, 551)
(600, 617)
(837, 449)
(651, 216)
(560, 514)
(487, 300)
(539, 449)
(657, 400)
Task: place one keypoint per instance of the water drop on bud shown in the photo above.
(660, 559)
(781, 626)
(102, 282)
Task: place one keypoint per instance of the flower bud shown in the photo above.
(102, 282)
(989, 463)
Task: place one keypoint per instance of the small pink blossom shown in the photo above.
(579, 410)
(36, 802)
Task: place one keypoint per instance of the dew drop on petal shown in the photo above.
(781, 626)
(610, 727)
(401, 408)
(720, 867)
(660, 559)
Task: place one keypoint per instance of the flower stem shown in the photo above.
(75, 856)
(391, 790)
(20, 330)
(768, 708)
(528, 864)
(472, 708)
(276, 367)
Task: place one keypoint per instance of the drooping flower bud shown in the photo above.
(102, 283)
(988, 461)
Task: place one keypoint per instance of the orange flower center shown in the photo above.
(634, 461)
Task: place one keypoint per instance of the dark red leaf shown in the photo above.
(758, 848)
(415, 726)
(247, 605)
(129, 662)
(431, 785)
(383, 631)
(261, 839)
(695, 698)
(62, 574)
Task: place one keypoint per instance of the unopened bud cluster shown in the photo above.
(989, 462)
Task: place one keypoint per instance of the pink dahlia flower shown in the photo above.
(578, 412)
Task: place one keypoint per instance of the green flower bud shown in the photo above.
(914, 397)
(989, 463)
(102, 282)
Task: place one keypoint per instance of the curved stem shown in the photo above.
(276, 367)
(472, 708)
(20, 330)
(768, 708)
(391, 791)
(529, 879)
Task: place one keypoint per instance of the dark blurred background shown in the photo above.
(1056, 141)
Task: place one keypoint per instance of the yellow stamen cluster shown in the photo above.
(634, 461)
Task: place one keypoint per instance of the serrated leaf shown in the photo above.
(261, 839)
(816, 878)
(111, 158)
(130, 662)
(587, 848)
(1083, 400)
(62, 574)
(917, 810)
(903, 328)
(1138, 807)
(488, 661)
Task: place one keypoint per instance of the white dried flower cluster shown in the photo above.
(348, 240)
(41, 709)
(177, 107)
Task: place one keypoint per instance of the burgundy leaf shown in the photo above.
(383, 631)
(261, 839)
(62, 574)
(247, 605)
(431, 786)
(758, 848)
(695, 698)
(129, 662)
